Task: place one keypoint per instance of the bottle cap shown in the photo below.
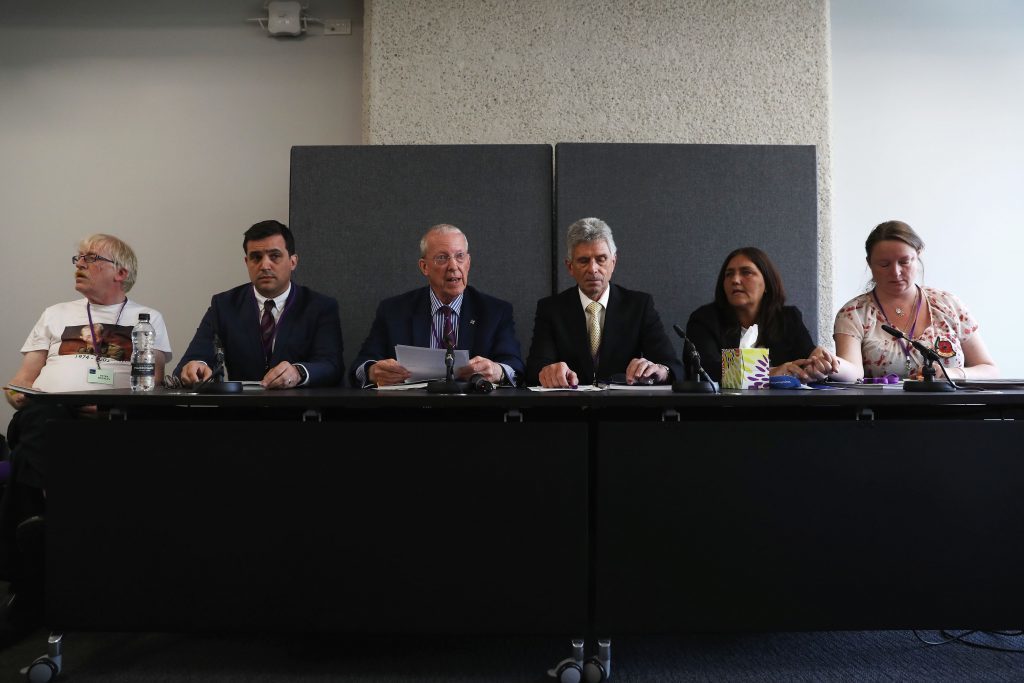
(143, 316)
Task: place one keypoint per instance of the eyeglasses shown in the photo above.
(90, 259)
(442, 259)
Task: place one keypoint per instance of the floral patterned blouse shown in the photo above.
(882, 354)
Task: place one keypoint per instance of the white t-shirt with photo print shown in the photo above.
(63, 332)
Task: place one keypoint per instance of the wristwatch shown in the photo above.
(303, 375)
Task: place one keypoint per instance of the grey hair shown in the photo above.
(120, 253)
(588, 230)
(442, 228)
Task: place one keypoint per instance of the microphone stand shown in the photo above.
(928, 383)
(448, 385)
(703, 384)
(210, 385)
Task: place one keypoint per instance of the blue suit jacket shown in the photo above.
(632, 329)
(486, 328)
(309, 332)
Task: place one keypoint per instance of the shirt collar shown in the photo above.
(585, 300)
(435, 303)
(279, 300)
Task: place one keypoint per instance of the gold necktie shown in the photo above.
(594, 327)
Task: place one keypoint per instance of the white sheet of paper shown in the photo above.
(403, 387)
(640, 387)
(582, 387)
(426, 363)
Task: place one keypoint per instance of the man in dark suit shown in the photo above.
(447, 309)
(273, 330)
(596, 330)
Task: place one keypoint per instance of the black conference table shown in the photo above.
(571, 513)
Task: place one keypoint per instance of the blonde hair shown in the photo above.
(120, 253)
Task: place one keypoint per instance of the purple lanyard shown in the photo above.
(92, 330)
(913, 326)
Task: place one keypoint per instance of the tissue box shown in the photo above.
(745, 368)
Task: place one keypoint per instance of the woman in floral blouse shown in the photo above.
(933, 317)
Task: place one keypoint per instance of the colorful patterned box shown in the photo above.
(744, 368)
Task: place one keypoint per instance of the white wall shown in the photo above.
(169, 127)
(928, 127)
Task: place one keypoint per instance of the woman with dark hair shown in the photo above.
(931, 316)
(749, 291)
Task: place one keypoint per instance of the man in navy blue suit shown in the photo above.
(446, 310)
(272, 330)
(596, 330)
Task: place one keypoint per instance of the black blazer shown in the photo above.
(632, 329)
(486, 328)
(710, 332)
(309, 332)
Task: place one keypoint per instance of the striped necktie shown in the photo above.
(267, 327)
(449, 336)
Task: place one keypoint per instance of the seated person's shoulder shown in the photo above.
(488, 300)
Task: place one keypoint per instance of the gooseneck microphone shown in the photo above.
(449, 385)
(211, 385)
(697, 380)
(929, 382)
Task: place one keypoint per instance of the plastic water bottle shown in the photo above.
(143, 355)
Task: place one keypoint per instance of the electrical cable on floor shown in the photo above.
(964, 638)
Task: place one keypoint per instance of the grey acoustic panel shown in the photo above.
(358, 213)
(677, 210)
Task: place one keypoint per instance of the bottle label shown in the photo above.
(143, 369)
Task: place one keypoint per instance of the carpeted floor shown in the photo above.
(764, 657)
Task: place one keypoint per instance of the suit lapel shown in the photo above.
(420, 319)
(467, 323)
(612, 333)
(250, 322)
(576, 321)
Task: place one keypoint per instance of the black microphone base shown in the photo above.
(219, 388)
(927, 386)
(447, 387)
(693, 387)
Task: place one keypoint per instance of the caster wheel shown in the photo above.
(43, 670)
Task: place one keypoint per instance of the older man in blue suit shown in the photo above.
(446, 310)
(273, 330)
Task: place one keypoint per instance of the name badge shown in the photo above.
(101, 377)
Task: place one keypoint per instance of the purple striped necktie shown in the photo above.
(449, 337)
(267, 326)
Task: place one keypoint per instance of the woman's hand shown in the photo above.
(824, 361)
(803, 369)
(815, 368)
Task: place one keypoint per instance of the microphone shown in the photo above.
(703, 383)
(210, 385)
(478, 384)
(449, 385)
(449, 362)
(927, 371)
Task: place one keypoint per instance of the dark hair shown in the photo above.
(769, 318)
(893, 230)
(269, 229)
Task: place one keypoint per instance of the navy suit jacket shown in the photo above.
(632, 329)
(308, 332)
(486, 328)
